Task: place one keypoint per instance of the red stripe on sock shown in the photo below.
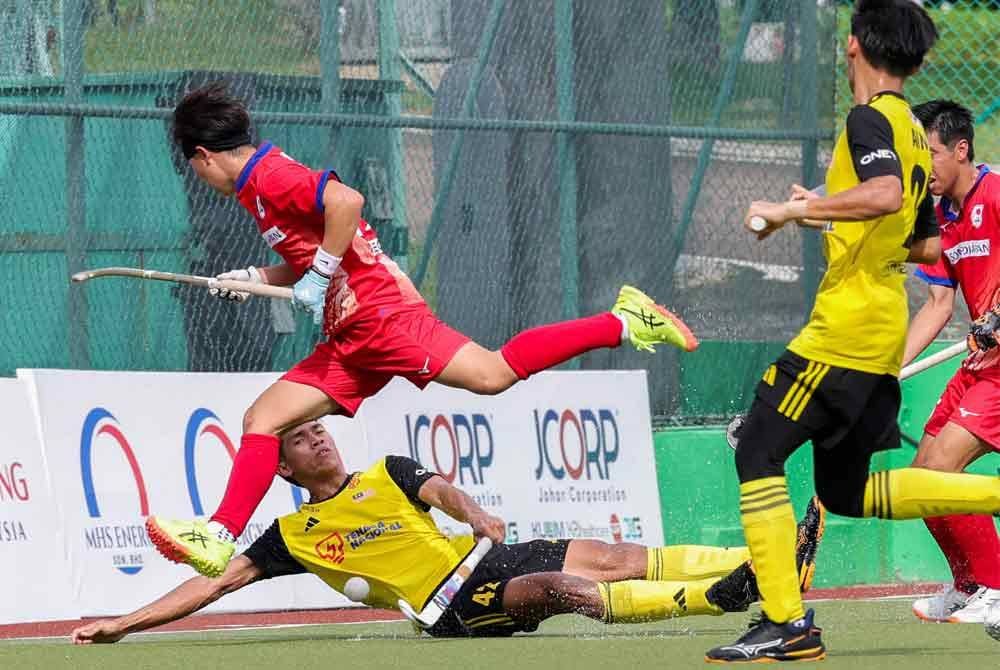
(251, 477)
(544, 347)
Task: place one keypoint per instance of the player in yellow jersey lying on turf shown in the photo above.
(376, 525)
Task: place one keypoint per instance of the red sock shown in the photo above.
(251, 476)
(961, 570)
(976, 537)
(544, 347)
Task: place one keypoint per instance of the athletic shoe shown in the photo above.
(767, 641)
(649, 323)
(736, 591)
(992, 622)
(976, 606)
(191, 542)
(940, 607)
(810, 532)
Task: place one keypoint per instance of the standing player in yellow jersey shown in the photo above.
(376, 525)
(837, 384)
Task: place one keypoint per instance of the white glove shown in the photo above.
(251, 274)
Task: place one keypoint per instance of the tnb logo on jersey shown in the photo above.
(331, 548)
(460, 446)
(576, 444)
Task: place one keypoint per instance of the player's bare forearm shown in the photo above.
(189, 597)
(870, 199)
(342, 207)
(279, 275)
(926, 251)
(929, 321)
(457, 504)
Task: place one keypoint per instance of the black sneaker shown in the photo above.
(736, 591)
(767, 641)
(810, 532)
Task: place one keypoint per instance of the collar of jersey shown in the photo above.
(878, 95)
(348, 480)
(251, 164)
(951, 215)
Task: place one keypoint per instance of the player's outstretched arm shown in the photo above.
(929, 321)
(186, 599)
(454, 502)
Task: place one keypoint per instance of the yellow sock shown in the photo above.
(914, 493)
(693, 561)
(769, 526)
(637, 601)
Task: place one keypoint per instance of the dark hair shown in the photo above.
(894, 35)
(281, 454)
(950, 120)
(211, 117)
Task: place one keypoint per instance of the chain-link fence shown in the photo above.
(522, 160)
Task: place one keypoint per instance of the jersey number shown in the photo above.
(485, 594)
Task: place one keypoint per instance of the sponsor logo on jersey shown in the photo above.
(977, 216)
(967, 249)
(363, 495)
(273, 236)
(880, 154)
(359, 536)
(331, 548)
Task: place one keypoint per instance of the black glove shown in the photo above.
(984, 331)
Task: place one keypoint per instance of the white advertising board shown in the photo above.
(32, 548)
(561, 455)
(122, 445)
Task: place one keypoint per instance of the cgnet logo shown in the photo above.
(125, 541)
(460, 446)
(579, 444)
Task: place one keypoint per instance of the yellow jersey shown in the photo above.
(860, 317)
(374, 527)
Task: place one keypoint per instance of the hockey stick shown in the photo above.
(265, 290)
(436, 606)
(910, 370)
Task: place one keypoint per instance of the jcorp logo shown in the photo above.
(459, 445)
(100, 422)
(576, 444)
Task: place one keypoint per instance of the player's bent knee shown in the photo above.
(837, 500)
(755, 461)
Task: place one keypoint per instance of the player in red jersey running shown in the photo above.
(376, 323)
(966, 423)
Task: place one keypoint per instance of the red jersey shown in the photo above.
(286, 199)
(970, 253)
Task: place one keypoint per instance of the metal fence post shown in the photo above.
(389, 68)
(329, 62)
(811, 252)
(569, 268)
(76, 213)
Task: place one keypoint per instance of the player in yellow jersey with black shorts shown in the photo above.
(837, 384)
(376, 525)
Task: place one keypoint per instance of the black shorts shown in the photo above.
(477, 610)
(836, 406)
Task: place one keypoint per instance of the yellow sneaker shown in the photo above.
(649, 323)
(191, 542)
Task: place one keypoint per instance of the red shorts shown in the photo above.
(355, 364)
(972, 400)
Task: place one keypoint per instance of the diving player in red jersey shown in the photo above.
(376, 322)
(966, 422)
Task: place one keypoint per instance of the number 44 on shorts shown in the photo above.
(485, 594)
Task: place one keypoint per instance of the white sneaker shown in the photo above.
(992, 623)
(940, 607)
(976, 606)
